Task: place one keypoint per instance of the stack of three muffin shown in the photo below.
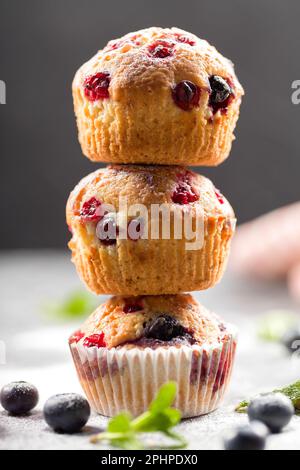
(150, 103)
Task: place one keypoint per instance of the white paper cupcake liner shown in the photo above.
(127, 379)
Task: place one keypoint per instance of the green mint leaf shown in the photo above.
(146, 422)
(164, 398)
(152, 422)
(123, 432)
(173, 416)
(292, 391)
(274, 324)
(76, 304)
(242, 407)
(120, 423)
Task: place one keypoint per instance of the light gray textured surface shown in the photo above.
(36, 350)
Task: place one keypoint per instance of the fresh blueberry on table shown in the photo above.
(19, 398)
(67, 413)
(251, 436)
(291, 340)
(275, 410)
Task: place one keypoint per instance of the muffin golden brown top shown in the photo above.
(150, 321)
(145, 185)
(157, 96)
(135, 61)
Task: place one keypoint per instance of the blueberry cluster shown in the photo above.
(65, 413)
(268, 413)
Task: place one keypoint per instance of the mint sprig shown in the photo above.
(125, 432)
(292, 391)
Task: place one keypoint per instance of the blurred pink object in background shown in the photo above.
(269, 247)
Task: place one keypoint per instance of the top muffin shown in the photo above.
(157, 96)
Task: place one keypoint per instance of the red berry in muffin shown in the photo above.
(161, 49)
(96, 86)
(95, 340)
(184, 192)
(186, 95)
(89, 211)
(184, 38)
(77, 336)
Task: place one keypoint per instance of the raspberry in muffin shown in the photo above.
(157, 96)
(130, 346)
(176, 240)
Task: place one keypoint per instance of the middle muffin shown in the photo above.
(148, 230)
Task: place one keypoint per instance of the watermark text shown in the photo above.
(2, 92)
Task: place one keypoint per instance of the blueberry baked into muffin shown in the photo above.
(130, 346)
(157, 96)
(115, 259)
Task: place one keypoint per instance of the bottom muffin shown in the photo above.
(129, 347)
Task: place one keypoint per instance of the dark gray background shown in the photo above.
(42, 43)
